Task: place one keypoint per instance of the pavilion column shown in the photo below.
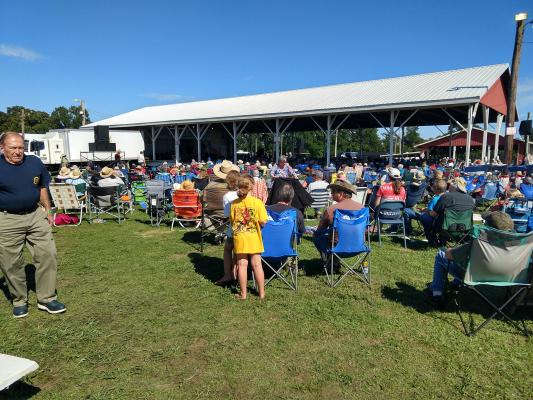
(472, 109)
(485, 111)
(488, 153)
(177, 134)
(277, 139)
(236, 129)
(393, 116)
(499, 121)
(155, 135)
(328, 140)
(454, 152)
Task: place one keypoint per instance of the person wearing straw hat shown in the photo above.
(108, 178)
(63, 175)
(25, 220)
(215, 190)
(341, 194)
(76, 179)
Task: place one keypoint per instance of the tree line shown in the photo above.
(313, 143)
(18, 119)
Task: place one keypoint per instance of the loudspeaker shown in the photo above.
(108, 147)
(101, 134)
(525, 128)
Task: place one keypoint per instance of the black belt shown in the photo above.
(18, 212)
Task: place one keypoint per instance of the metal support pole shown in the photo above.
(488, 154)
(234, 136)
(472, 109)
(454, 152)
(328, 140)
(153, 144)
(499, 120)
(485, 110)
(393, 116)
(199, 142)
(176, 145)
(276, 139)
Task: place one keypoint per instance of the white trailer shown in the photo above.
(74, 145)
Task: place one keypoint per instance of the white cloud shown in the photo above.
(18, 52)
(163, 96)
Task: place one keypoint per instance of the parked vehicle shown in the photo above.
(74, 145)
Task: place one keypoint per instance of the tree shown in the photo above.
(411, 138)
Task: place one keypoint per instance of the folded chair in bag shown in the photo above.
(279, 240)
(456, 226)
(187, 207)
(349, 240)
(501, 260)
(65, 198)
(105, 200)
(360, 195)
(390, 212)
(320, 200)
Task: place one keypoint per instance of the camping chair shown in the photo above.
(320, 200)
(14, 368)
(105, 200)
(390, 212)
(351, 177)
(187, 207)
(165, 177)
(214, 223)
(65, 198)
(491, 192)
(360, 195)
(372, 199)
(138, 191)
(519, 212)
(456, 226)
(348, 231)
(280, 254)
(501, 260)
(157, 205)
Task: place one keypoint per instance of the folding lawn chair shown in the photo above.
(456, 226)
(491, 192)
(349, 230)
(214, 223)
(279, 240)
(501, 260)
(65, 198)
(187, 207)
(105, 200)
(138, 191)
(320, 200)
(157, 204)
(14, 368)
(390, 212)
(350, 177)
(360, 195)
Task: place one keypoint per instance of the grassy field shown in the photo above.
(145, 321)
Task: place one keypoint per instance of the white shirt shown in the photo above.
(321, 184)
(226, 201)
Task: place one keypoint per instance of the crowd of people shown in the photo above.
(246, 193)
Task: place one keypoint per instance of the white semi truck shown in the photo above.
(74, 145)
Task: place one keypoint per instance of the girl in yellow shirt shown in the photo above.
(247, 216)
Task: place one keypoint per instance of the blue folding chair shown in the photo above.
(349, 232)
(180, 178)
(279, 240)
(350, 177)
(527, 190)
(390, 212)
(165, 177)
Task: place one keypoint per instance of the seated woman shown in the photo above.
(76, 180)
(187, 185)
(392, 190)
(63, 175)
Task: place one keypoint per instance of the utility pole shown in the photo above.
(527, 138)
(511, 101)
(82, 112)
(22, 120)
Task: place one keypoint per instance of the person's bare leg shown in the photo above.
(228, 262)
(257, 267)
(242, 274)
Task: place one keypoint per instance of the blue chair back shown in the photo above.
(165, 177)
(391, 211)
(530, 223)
(350, 227)
(180, 178)
(278, 234)
(491, 190)
(527, 190)
(350, 177)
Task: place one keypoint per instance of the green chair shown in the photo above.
(500, 260)
(456, 226)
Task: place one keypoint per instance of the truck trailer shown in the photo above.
(73, 144)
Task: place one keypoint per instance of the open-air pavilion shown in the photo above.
(463, 97)
(488, 142)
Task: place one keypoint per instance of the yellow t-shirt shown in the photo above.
(246, 215)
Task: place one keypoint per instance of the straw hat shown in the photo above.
(418, 177)
(343, 186)
(106, 172)
(187, 185)
(221, 170)
(459, 183)
(64, 171)
(75, 173)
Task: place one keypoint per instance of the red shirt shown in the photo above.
(386, 192)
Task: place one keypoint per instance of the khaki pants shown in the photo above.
(34, 231)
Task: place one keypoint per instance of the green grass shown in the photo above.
(145, 321)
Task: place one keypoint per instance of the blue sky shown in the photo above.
(122, 55)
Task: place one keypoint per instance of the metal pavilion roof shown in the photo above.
(431, 90)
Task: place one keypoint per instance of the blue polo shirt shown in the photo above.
(20, 185)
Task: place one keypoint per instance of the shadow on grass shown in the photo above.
(20, 390)
(30, 282)
(211, 268)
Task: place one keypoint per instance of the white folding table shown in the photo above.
(14, 368)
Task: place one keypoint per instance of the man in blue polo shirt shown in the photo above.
(23, 185)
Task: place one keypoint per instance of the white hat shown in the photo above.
(221, 170)
(394, 173)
